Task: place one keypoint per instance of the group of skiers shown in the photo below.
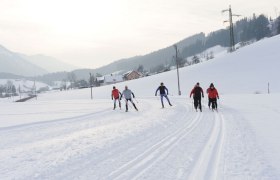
(127, 93)
(196, 92)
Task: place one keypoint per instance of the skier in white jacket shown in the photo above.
(127, 95)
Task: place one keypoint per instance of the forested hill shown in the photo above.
(246, 29)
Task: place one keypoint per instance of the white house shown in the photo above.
(100, 80)
(113, 78)
(110, 79)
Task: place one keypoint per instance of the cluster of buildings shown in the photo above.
(114, 78)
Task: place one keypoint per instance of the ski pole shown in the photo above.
(129, 103)
(192, 105)
(157, 97)
(136, 100)
(219, 103)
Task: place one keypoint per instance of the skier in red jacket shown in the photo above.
(212, 96)
(115, 96)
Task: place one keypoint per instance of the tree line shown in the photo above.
(245, 31)
(8, 89)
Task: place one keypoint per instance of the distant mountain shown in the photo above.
(16, 64)
(160, 57)
(13, 63)
(51, 64)
(4, 75)
(52, 77)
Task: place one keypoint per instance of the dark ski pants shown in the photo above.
(126, 104)
(115, 100)
(161, 98)
(213, 103)
(197, 102)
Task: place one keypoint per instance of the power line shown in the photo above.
(231, 34)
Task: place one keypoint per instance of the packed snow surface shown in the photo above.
(66, 135)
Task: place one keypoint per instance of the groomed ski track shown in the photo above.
(172, 143)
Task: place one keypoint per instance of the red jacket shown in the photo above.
(115, 93)
(212, 93)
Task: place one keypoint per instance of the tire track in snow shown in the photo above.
(64, 162)
(52, 144)
(136, 167)
(104, 158)
(55, 122)
(48, 130)
(207, 166)
(244, 158)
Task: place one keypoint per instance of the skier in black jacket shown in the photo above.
(162, 93)
(197, 92)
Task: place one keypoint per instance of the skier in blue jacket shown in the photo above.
(163, 91)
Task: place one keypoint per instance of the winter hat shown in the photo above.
(211, 85)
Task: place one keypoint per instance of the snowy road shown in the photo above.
(173, 143)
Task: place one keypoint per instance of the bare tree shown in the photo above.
(195, 59)
(140, 68)
(72, 78)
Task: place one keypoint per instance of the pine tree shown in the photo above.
(278, 25)
(261, 27)
(140, 68)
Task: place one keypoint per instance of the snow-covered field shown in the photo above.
(25, 85)
(23, 88)
(66, 135)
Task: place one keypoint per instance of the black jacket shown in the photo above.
(161, 90)
(197, 92)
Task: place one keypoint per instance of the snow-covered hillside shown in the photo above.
(66, 135)
(247, 70)
(24, 65)
(51, 64)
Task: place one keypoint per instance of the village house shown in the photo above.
(132, 75)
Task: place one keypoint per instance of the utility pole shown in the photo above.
(176, 59)
(90, 82)
(19, 91)
(231, 34)
(34, 87)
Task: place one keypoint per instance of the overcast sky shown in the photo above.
(92, 33)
